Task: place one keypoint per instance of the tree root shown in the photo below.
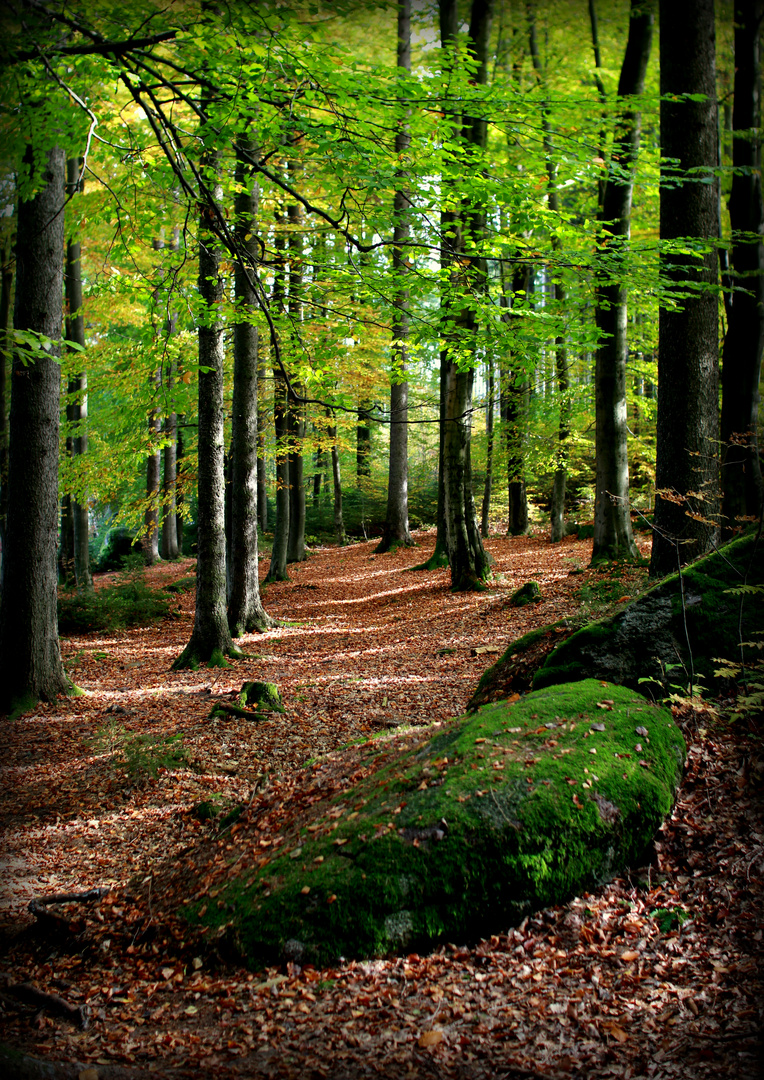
(51, 1003)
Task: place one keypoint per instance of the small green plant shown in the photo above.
(140, 756)
(668, 919)
(129, 602)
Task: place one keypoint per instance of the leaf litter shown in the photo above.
(655, 975)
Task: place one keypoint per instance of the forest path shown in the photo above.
(596, 987)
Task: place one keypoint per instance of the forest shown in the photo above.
(379, 381)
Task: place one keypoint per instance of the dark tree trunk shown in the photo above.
(295, 410)
(557, 529)
(466, 555)
(262, 486)
(30, 659)
(396, 529)
(77, 408)
(486, 508)
(245, 610)
(277, 571)
(363, 443)
(613, 537)
(514, 413)
(179, 486)
(686, 469)
(6, 328)
(339, 524)
(742, 486)
(210, 638)
(169, 480)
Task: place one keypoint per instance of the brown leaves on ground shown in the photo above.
(656, 975)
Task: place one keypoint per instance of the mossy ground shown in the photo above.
(450, 833)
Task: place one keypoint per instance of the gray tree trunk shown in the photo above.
(30, 659)
(339, 524)
(277, 571)
(295, 410)
(210, 639)
(742, 486)
(396, 529)
(78, 393)
(687, 437)
(486, 508)
(245, 610)
(613, 538)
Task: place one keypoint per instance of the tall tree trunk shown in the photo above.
(466, 555)
(557, 530)
(613, 538)
(210, 639)
(742, 486)
(262, 486)
(169, 480)
(179, 486)
(339, 524)
(486, 508)
(363, 443)
(295, 409)
(515, 391)
(30, 659)
(277, 571)
(686, 469)
(396, 529)
(245, 609)
(6, 331)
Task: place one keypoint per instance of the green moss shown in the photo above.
(260, 695)
(529, 593)
(462, 830)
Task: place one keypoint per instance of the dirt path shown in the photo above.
(367, 645)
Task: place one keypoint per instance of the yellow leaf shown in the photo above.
(430, 1038)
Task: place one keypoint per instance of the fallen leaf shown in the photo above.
(430, 1038)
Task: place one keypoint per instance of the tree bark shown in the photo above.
(613, 538)
(466, 555)
(245, 610)
(169, 480)
(486, 508)
(396, 529)
(686, 469)
(210, 639)
(6, 332)
(30, 659)
(295, 417)
(77, 408)
(742, 485)
(277, 571)
(514, 392)
(339, 524)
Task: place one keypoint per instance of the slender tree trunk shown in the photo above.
(245, 609)
(339, 524)
(30, 659)
(613, 538)
(277, 571)
(466, 555)
(77, 406)
(515, 392)
(742, 486)
(153, 477)
(6, 330)
(262, 485)
(169, 536)
(486, 508)
(686, 469)
(179, 485)
(295, 410)
(210, 638)
(396, 530)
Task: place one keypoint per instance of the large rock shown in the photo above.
(456, 831)
(681, 625)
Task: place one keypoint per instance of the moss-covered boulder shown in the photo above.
(648, 639)
(455, 831)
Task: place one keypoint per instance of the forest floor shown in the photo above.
(657, 974)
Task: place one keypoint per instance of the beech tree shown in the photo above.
(30, 659)
(742, 485)
(686, 468)
(612, 519)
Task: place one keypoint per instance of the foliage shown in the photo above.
(129, 602)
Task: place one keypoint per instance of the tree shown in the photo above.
(30, 659)
(686, 469)
(467, 273)
(77, 410)
(742, 485)
(613, 537)
(211, 636)
(245, 609)
(396, 529)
